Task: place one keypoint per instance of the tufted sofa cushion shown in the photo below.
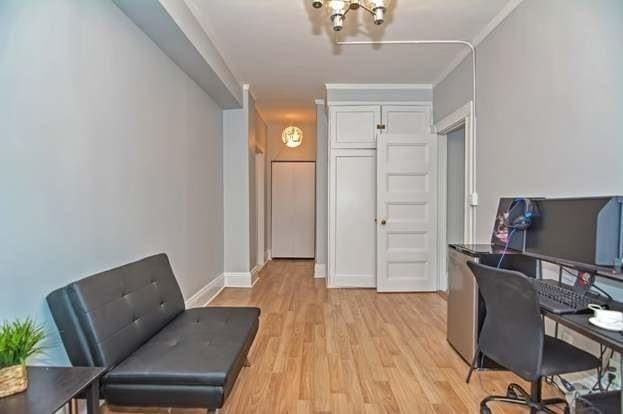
(218, 339)
(120, 309)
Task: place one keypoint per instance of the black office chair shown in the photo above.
(513, 335)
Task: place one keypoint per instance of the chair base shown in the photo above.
(515, 394)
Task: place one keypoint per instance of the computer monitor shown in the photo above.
(579, 230)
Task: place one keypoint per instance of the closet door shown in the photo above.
(354, 126)
(293, 209)
(352, 228)
(407, 119)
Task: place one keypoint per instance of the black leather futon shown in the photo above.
(132, 321)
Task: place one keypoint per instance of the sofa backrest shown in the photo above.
(105, 317)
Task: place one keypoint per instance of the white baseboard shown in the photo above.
(255, 272)
(353, 281)
(269, 255)
(206, 293)
(258, 268)
(320, 271)
(238, 279)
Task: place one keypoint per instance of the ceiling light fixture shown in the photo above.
(292, 136)
(339, 8)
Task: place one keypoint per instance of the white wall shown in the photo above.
(322, 183)
(108, 153)
(277, 151)
(550, 95)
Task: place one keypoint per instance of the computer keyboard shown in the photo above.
(559, 298)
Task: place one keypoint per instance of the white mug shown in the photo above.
(606, 316)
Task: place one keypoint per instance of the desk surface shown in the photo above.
(483, 249)
(49, 389)
(580, 324)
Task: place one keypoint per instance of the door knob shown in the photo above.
(383, 222)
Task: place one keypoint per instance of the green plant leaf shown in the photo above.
(20, 340)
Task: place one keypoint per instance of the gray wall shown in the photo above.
(108, 153)
(236, 188)
(456, 186)
(550, 96)
(240, 128)
(261, 138)
(322, 182)
(252, 196)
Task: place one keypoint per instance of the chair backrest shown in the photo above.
(513, 332)
(103, 318)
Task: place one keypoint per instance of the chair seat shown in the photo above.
(560, 357)
(202, 346)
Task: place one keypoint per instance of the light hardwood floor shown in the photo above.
(325, 350)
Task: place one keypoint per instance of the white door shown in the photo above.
(293, 209)
(354, 126)
(407, 212)
(352, 228)
(260, 190)
(407, 119)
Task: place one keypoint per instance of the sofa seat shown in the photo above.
(216, 338)
(192, 362)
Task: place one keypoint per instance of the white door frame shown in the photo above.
(260, 192)
(462, 116)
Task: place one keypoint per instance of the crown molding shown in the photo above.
(319, 101)
(378, 86)
(482, 35)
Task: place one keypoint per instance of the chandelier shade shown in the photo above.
(337, 9)
(292, 136)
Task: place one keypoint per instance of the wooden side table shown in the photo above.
(51, 388)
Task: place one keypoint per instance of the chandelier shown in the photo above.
(292, 136)
(339, 8)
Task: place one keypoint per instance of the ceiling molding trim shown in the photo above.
(379, 86)
(486, 31)
(319, 101)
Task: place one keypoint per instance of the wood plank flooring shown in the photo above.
(325, 350)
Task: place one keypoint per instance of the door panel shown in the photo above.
(403, 119)
(352, 227)
(354, 126)
(407, 211)
(293, 209)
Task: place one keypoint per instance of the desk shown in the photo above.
(51, 388)
(527, 264)
(613, 340)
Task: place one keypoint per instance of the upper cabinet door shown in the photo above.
(354, 126)
(407, 119)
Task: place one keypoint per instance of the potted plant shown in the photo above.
(19, 340)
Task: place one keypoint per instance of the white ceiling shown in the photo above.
(284, 48)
